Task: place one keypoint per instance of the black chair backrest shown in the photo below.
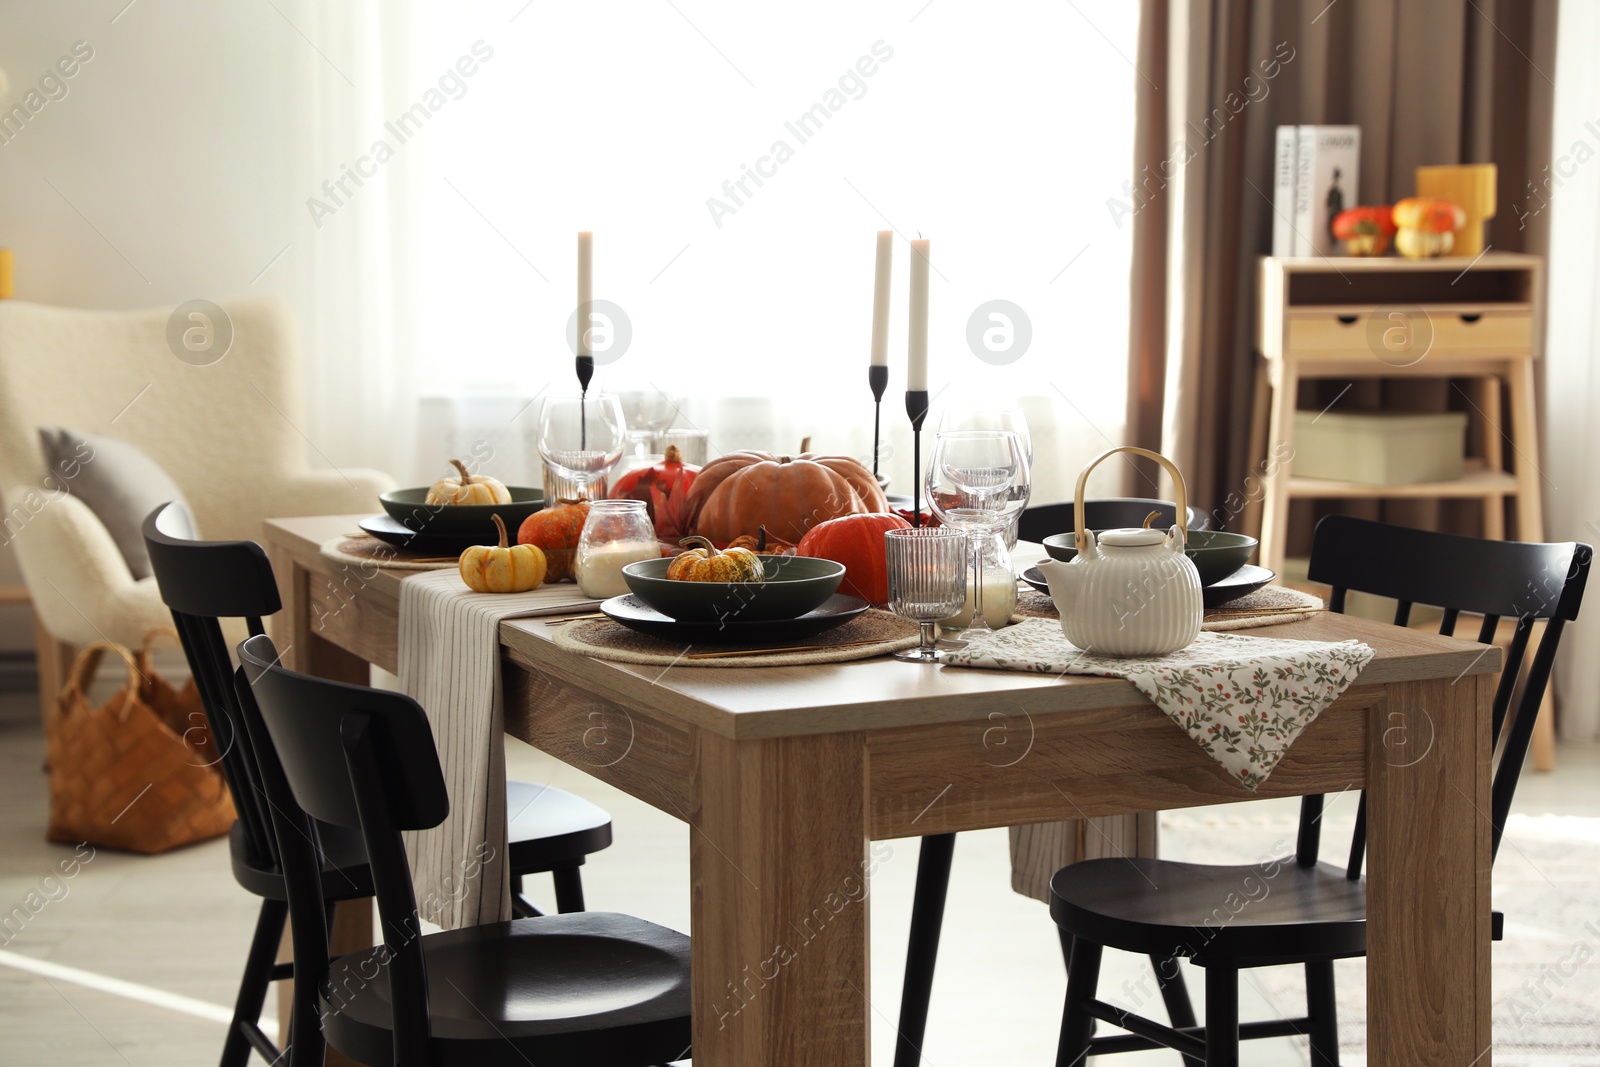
(1107, 513)
(353, 757)
(1496, 579)
(203, 582)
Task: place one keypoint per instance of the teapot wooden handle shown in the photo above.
(1080, 533)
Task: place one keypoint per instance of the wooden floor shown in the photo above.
(142, 954)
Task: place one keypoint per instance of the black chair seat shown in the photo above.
(550, 828)
(585, 988)
(1249, 916)
(345, 875)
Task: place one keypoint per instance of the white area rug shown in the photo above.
(1546, 971)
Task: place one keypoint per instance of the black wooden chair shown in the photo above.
(937, 851)
(584, 988)
(1315, 912)
(203, 582)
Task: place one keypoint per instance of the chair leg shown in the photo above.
(1323, 1010)
(922, 951)
(1175, 995)
(521, 906)
(257, 977)
(1222, 1016)
(53, 660)
(1077, 1025)
(569, 889)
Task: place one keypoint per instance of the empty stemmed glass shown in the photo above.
(978, 481)
(581, 438)
(995, 418)
(927, 581)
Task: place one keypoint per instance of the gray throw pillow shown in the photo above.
(115, 480)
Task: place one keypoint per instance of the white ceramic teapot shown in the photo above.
(1128, 592)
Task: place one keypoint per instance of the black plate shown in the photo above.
(387, 529)
(635, 614)
(1245, 580)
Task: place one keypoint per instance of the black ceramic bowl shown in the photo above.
(795, 585)
(410, 508)
(1106, 513)
(1216, 553)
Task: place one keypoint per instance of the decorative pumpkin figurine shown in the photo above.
(737, 493)
(555, 530)
(708, 563)
(664, 488)
(1427, 226)
(857, 542)
(502, 568)
(468, 489)
(1365, 231)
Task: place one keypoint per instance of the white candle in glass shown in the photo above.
(880, 299)
(999, 601)
(917, 331)
(585, 288)
(599, 569)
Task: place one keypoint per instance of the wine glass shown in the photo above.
(972, 482)
(581, 438)
(995, 418)
(649, 412)
(927, 581)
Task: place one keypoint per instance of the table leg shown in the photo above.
(303, 650)
(1428, 854)
(781, 869)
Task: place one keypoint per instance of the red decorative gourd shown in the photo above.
(857, 542)
(555, 530)
(740, 492)
(664, 488)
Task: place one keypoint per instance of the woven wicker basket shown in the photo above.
(139, 773)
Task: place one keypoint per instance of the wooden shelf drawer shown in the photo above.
(1397, 329)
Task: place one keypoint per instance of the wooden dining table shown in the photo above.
(788, 776)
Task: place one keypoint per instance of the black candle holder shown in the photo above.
(585, 376)
(917, 409)
(878, 379)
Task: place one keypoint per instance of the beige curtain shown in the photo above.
(1428, 81)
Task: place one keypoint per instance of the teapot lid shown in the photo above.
(1131, 538)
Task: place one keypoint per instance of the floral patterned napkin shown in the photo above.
(1243, 699)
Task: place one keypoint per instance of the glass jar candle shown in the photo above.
(999, 586)
(617, 533)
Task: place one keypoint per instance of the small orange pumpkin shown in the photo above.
(556, 530)
(502, 568)
(707, 563)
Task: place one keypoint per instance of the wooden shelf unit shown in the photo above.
(1359, 318)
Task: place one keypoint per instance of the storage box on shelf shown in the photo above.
(1379, 447)
(1346, 319)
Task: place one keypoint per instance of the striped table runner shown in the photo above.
(450, 664)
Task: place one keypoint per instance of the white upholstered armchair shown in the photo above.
(229, 434)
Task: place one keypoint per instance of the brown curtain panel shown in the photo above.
(1428, 82)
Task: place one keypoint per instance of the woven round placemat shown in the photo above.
(1276, 603)
(872, 633)
(367, 551)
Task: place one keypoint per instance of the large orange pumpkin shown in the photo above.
(857, 542)
(740, 492)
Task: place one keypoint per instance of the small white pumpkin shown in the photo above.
(468, 489)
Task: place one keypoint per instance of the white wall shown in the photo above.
(159, 176)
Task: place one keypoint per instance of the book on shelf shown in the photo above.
(1316, 175)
